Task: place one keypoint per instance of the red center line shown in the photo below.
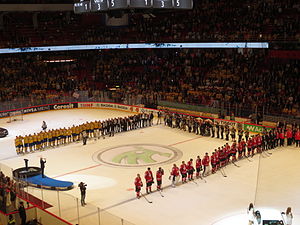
(184, 141)
(75, 171)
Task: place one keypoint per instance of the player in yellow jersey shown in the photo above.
(30, 141)
(17, 145)
(21, 143)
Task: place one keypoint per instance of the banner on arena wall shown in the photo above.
(255, 128)
(36, 109)
(134, 109)
(4, 114)
(71, 105)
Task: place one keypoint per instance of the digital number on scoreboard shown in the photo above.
(106, 5)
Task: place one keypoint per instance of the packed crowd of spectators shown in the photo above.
(245, 81)
(217, 20)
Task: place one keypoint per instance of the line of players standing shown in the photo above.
(216, 129)
(246, 146)
(95, 129)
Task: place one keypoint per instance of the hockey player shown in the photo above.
(159, 174)
(190, 169)
(198, 166)
(297, 137)
(205, 163)
(213, 162)
(222, 156)
(138, 185)
(233, 152)
(174, 175)
(249, 147)
(183, 171)
(149, 180)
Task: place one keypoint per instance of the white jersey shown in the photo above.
(251, 215)
(289, 218)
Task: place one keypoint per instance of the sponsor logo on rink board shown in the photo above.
(129, 108)
(137, 155)
(255, 128)
(64, 106)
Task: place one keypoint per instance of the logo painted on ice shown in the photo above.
(138, 155)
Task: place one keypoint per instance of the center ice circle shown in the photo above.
(136, 155)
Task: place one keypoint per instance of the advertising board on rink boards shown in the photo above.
(127, 108)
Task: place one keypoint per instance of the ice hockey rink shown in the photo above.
(270, 181)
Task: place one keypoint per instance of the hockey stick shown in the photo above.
(194, 182)
(223, 172)
(202, 178)
(161, 193)
(235, 164)
(146, 198)
(247, 157)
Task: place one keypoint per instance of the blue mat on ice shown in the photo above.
(49, 183)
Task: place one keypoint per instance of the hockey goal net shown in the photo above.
(15, 116)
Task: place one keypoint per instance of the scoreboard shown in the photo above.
(106, 5)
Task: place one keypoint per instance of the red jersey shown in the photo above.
(213, 159)
(297, 135)
(148, 176)
(249, 143)
(189, 165)
(259, 140)
(138, 182)
(205, 160)
(289, 134)
(175, 171)
(222, 155)
(240, 146)
(198, 163)
(183, 168)
(233, 149)
(159, 174)
(254, 142)
(281, 135)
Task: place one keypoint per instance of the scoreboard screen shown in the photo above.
(163, 4)
(140, 3)
(82, 7)
(106, 5)
(117, 4)
(183, 4)
(99, 5)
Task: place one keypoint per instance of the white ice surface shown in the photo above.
(110, 187)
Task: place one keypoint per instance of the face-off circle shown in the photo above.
(138, 155)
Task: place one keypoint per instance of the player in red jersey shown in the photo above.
(243, 143)
(249, 147)
(227, 152)
(198, 166)
(138, 185)
(297, 137)
(240, 149)
(205, 162)
(233, 152)
(190, 169)
(222, 156)
(174, 175)
(259, 143)
(217, 155)
(254, 144)
(149, 180)
(213, 162)
(159, 174)
(183, 171)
